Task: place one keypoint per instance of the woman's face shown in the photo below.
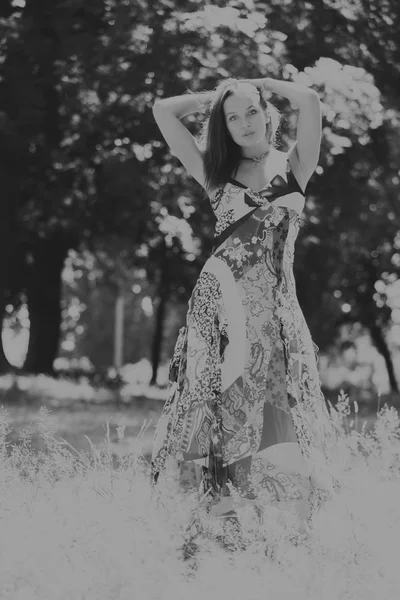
(244, 115)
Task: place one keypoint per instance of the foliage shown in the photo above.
(88, 164)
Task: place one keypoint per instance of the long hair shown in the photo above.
(221, 155)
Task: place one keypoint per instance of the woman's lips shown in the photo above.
(247, 134)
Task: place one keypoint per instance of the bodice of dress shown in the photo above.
(233, 200)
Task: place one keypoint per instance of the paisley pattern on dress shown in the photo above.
(245, 404)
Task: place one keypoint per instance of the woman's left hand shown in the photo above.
(255, 82)
(261, 84)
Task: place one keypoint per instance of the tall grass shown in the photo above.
(85, 525)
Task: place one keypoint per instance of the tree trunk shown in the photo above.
(160, 316)
(44, 287)
(382, 347)
(5, 366)
(379, 342)
(9, 205)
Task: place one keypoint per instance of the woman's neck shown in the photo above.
(257, 174)
(263, 148)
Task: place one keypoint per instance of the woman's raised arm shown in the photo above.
(304, 154)
(167, 114)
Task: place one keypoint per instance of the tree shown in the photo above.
(89, 170)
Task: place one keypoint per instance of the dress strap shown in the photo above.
(292, 179)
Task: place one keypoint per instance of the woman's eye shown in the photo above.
(253, 110)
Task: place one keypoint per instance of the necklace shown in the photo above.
(257, 159)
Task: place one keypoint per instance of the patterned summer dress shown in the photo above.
(245, 404)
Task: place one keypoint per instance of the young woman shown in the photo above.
(245, 409)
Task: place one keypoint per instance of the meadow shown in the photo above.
(78, 519)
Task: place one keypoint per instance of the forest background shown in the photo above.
(97, 215)
(102, 237)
